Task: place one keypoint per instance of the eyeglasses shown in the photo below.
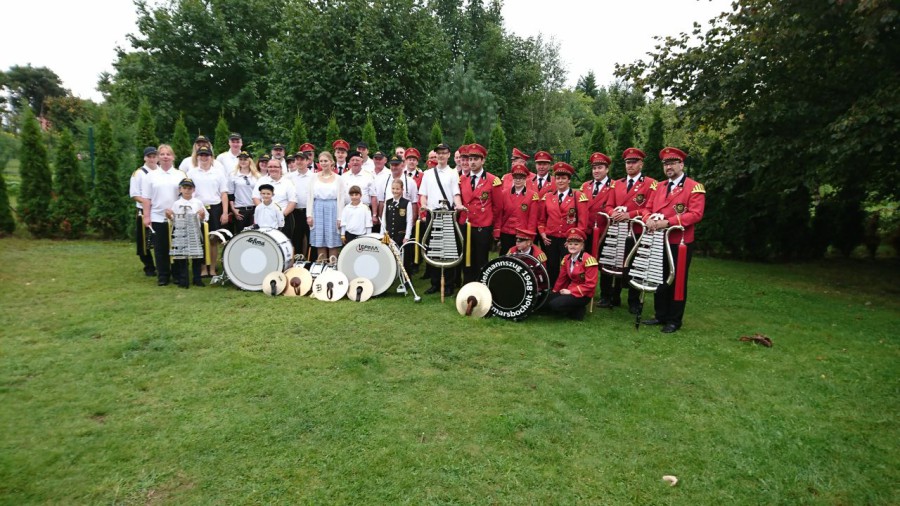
(671, 163)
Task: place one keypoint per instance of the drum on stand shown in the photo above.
(368, 257)
(519, 285)
(253, 254)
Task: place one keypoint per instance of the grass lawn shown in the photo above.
(115, 390)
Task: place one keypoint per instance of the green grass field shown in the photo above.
(115, 390)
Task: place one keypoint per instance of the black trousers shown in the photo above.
(300, 234)
(567, 305)
(481, 242)
(555, 252)
(161, 250)
(237, 226)
(349, 236)
(180, 270)
(507, 241)
(143, 250)
(450, 273)
(668, 310)
(634, 295)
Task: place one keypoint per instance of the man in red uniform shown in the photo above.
(542, 181)
(340, 147)
(482, 195)
(577, 279)
(518, 157)
(519, 208)
(630, 195)
(525, 245)
(678, 201)
(561, 210)
(310, 152)
(600, 190)
(412, 165)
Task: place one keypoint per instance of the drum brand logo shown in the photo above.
(256, 242)
(367, 248)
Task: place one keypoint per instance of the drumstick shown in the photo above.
(295, 283)
(472, 302)
(274, 285)
(359, 291)
(329, 290)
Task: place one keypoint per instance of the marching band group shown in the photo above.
(321, 203)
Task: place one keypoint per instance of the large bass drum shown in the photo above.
(253, 254)
(368, 257)
(519, 285)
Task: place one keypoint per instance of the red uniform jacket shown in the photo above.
(518, 210)
(556, 218)
(507, 181)
(683, 206)
(635, 200)
(535, 252)
(549, 184)
(580, 278)
(598, 203)
(484, 202)
(417, 177)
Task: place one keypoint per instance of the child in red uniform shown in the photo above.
(577, 279)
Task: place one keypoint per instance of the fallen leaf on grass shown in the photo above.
(758, 339)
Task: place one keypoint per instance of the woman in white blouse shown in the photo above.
(325, 202)
(241, 183)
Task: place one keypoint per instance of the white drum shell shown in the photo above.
(368, 257)
(253, 254)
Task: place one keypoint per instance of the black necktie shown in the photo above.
(561, 195)
(473, 180)
(669, 188)
(540, 183)
(596, 187)
(630, 183)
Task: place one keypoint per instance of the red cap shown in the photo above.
(524, 233)
(431, 164)
(633, 153)
(575, 234)
(464, 150)
(477, 150)
(519, 169)
(563, 168)
(670, 153)
(518, 154)
(307, 147)
(412, 153)
(600, 158)
(340, 144)
(543, 156)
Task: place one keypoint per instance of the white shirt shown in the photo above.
(161, 188)
(228, 161)
(369, 166)
(364, 180)
(268, 216)
(242, 186)
(209, 185)
(134, 186)
(431, 190)
(187, 164)
(301, 186)
(356, 219)
(284, 191)
(178, 207)
(326, 191)
(384, 183)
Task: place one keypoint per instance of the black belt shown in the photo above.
(245, 208)
(213, 205)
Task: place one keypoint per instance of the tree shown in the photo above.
(599, 141)
(497, 161)
(465, 102)
(332, 133)
(33, 85)
(35, 191)
(181, 139)
(107, 214)
(624, 140)
(146, 130)
(437, 136)
(220, 136)
(369, 136)
(655, 143)
(781, 80)
(587, 84)
(469, 138)
(69, 207)
(7, 221)
(298, 133)
(401, 130)
(67, 112)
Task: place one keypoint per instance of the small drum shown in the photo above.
(253, 254)
(519, 285)
(368, 257)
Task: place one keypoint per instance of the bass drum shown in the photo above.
(253, 254)
(519, 285)
(368, 257)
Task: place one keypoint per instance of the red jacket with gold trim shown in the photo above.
(598, 203)
(484, 202)
(579, 277)
(535, 252)
(518, 210)
(682, 206)
(635, 200)
(556, 218)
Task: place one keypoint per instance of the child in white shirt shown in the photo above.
(268, 214)
(187, 204)
(356, 218)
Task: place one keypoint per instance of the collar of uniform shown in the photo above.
(603, 182)
(675, 182)
(564, 193)
(477, 175)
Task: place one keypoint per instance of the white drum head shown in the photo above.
(253, 254)
(360, 290)
(274, 283)
(299, 282)
(367, 257)
(330, 286)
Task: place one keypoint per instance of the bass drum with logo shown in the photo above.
(519, 285)
(368, 257)
(253, 254)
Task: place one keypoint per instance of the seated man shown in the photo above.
(577, 279)
(525, 244)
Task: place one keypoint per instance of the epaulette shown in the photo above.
(698, 188)
(535, 198)
(137, 173)
(589, 261)
(653, 186)
(563, 261)
(543, 198)
(582, 197)
(612, 184)
(542, 257)
(497, 182)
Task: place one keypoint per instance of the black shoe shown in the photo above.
(448, 292)
(162, 282)
(604, 303)
(431, 290)
(150, 273)
(669, 328)
(633, 309)
(198, 282)
(651, 321)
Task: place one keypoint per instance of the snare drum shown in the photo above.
(253, 254)
(368, 257)
(519, 285)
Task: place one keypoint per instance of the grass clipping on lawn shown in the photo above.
(116, 390)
